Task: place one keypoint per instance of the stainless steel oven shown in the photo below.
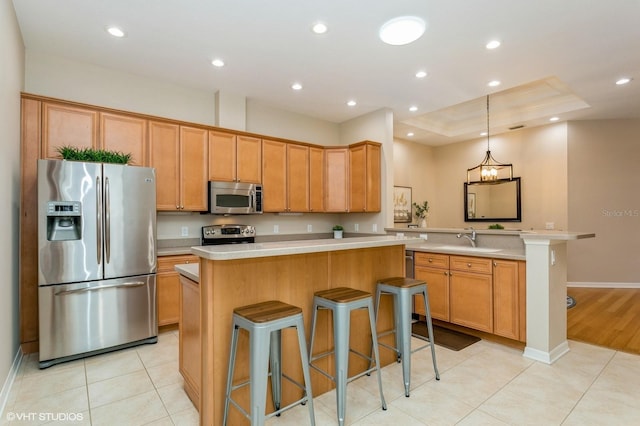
(228, 234)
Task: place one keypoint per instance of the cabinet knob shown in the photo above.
(430, 260)
(468, 265)
(495, 264)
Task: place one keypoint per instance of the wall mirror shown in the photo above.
(498, 201)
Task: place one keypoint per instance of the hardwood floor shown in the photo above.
(607, 317)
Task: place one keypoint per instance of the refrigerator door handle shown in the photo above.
(86, 289)
(99, 219)
(107, 220)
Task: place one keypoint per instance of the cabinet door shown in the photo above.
(164, 147)
(249, 159)
(316, 179)
(168, 284)
(274, 176)
(357, 178)
(438, 289)
(373, 202)
(222, 156)
(64, 125)
(297, 178)
(194, 148)
(506, 298)
(471, 300)
(126, 134)
(336, 180)
(190, 346)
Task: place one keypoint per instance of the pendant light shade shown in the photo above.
(489, 170)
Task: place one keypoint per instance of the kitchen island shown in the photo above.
(235, 275)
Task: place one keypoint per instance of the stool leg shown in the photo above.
(341, 326)
(258, 373)
(305, 370)
(313, 329)
(425, 295)
(403, 319)
(398, 315)
(232, 364)
(376, 352)
(275, 361)
(376, 308)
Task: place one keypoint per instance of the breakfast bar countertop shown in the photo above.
(283, 248)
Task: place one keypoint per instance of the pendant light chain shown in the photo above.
(488, 149)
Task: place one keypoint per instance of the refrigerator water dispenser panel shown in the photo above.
(64, 220)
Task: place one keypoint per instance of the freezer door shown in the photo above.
(69, 222)
(129, 220)
(78, 319)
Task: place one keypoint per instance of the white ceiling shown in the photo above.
(576, 48)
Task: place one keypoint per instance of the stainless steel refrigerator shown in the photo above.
(96, 258)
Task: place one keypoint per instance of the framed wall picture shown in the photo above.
(401, 204)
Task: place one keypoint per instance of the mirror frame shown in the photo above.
(518, 217)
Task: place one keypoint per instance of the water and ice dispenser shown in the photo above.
(64, 220)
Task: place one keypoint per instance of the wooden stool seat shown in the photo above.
(402, 282)
(342, 294)
(267, 311)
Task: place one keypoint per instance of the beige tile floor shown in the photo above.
(484, 384)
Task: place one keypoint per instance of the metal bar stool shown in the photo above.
(342, 301)
(265, 322)
(403, 289)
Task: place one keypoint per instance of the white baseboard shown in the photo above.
(546, 357)
(602, 284)
(8, 383)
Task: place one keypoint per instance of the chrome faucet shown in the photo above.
(471, 238)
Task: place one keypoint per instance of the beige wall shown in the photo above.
(11, 82)
(604, 182)
(538, 155)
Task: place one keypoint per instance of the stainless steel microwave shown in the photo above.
(235, 198)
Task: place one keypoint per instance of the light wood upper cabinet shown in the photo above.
(364, 177)
(234, 158)
(336, 180)
(179, 154)
(65, 125)
(274, 176)
(126, 134)
(194, 151)
(285, 177)
(316, 179)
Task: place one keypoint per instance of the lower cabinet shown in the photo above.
(190, 346)
(479, 293)
(168, 284)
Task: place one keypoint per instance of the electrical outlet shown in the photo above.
(276, 229)
(309, 228)
(424, 236)
(375, 227)
(550, 225)
(356, 227)
(185, 231)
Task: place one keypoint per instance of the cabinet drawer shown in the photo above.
(167, 263)
(471, 264)
(432, 260)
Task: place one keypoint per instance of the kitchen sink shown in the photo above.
(469, 249)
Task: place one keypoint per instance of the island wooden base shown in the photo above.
(227, 284)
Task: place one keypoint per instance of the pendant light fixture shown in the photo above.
(489, 169)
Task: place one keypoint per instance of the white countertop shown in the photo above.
(466, 250)
(283, 248)
(189, 270)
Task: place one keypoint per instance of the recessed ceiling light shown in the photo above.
(296, 86)
(493, 44)
(493, 83)
(421, 74)
(319, 28)
(413, 108)
(217, 63)
(115, 31)
(554, 119)
(352, 103)
(622, 81)
(402, 30)
(410, 134)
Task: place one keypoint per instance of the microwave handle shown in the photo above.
(253, 200)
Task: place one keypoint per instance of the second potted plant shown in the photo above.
(422, 211)
(337, 231)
